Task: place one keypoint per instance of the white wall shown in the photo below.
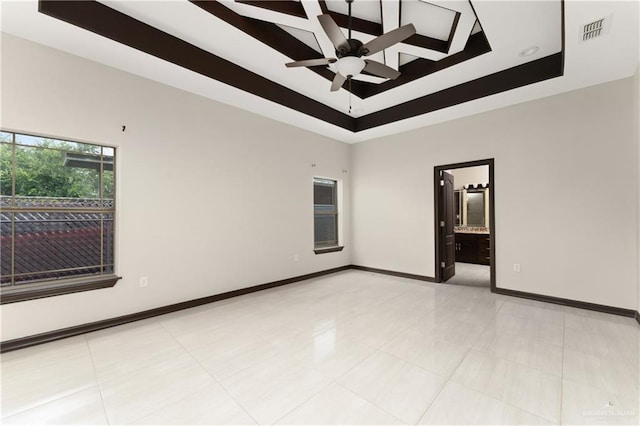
(210, 198)
(566, 191)
(470, 175)
(636, 114)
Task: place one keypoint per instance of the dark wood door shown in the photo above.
(447, 222)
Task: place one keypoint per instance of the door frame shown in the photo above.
(492, 215)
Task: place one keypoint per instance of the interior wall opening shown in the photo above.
(465, 224)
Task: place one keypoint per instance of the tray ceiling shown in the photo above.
(235, 51)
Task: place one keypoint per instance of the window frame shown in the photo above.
(54, 287)
(332, 245)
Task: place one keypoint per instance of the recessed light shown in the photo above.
(528, 51)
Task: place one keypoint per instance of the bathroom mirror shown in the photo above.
(471, 207)
(475, 208)
(458, 200)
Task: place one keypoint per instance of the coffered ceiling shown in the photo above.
(467, 56)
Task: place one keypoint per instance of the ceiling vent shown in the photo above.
(595, 29)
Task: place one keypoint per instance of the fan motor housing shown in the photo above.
(355, 49)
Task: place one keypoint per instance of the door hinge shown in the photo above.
(442, 223)
(441, 183)
(442, 264)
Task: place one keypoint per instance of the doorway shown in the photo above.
(464, 215)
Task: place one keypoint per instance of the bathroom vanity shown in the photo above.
(473, 247)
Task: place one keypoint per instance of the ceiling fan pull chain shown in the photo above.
(349, 87)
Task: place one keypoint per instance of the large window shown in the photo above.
(57, 216)
(325, 210)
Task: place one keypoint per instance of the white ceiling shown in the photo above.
(510, 27)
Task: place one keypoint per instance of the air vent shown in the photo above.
(595, 29)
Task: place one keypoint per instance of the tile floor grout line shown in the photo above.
(237, 372)
(46, 401)
(518, 362)
(95, 374)
(447, 376)
(303, 402)
(497, 399)
(371, 402)
(500, 399)
(444, 385)
(136, 419)
(449, 379)
(208, 374)
(504, 402)
(362, 396)
(403, 312)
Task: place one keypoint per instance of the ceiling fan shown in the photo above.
(350, 51)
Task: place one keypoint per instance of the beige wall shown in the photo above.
(566, 191)
(470, 175)
(636, 114)
(239, 188)
(210, 198)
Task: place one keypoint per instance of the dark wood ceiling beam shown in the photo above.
(276, 38)
(476, 45)
(358, 24)
(101, 19)
(502, 81)
(293, 8)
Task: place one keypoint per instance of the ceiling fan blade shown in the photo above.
(311, 62)
(338, 81)
(334, 32)
(388, 39)
(381, 70)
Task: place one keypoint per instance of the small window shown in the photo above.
(325, 210)
(57, 219)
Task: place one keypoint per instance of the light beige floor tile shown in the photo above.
(603, 373)
(619, 344)
(207, 317)
(336, 405)
(443, 324)
(457, 405)
(119, 351)
(401, 389)
(532, 353)
(543, 331)
(583, 319)
(138, 334)
(272, 388)
(518, 385)
(131, 397)
(81, 408)
(226, 351)
(389, 342)
(208, 406)
(588, 405)
(472, 309)
(23, 361)
(333, 356)
(24, 388)
(371, 329)
(432, 354)
(534, 310)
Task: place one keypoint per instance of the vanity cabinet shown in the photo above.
(472, 248)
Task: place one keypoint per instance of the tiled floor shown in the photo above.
(349, 348)
(470, 274)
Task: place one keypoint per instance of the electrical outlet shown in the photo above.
(296, 257)
(516, 267)
(144, 281)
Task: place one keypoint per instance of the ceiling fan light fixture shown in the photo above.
(349, 66)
